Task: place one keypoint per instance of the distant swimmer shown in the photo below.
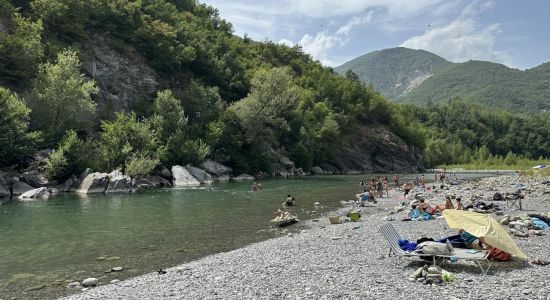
(290, 201)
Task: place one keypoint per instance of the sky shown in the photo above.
(511, 32)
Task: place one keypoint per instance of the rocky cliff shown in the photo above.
(123, 75)
(377, 149)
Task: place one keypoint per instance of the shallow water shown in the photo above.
(45, 244)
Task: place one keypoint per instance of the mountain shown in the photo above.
(395, 71)
(428, 78)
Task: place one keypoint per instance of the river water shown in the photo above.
(46, 244)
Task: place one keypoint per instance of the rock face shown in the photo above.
(123, 76)
(182, 177)
(376, 149)
(200, 175)
(34, 179)
(39, 193)
(243, 177)
(94, 183)
(119, 183)
(20, 188)
(215, 168)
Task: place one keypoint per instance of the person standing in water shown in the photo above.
(290, 201)
(396, 180)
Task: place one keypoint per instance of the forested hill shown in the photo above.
(138, 85)
(430, 79)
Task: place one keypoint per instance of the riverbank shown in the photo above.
(349, 261)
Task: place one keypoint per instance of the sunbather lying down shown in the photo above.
(281, 214)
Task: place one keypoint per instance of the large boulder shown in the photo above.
(69, 185)
(223, 178)
(34, 179)
(300, 172)
(20, 188)
(244, 177)
(94, 183)
(119, 183)
(215, 168)
(200, 175)
(39, 193)
(4, 192)
(317, 171)
(182, 177)
(150, 182)
(286, 162)
(166, 174)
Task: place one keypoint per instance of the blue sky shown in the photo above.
(515, 33)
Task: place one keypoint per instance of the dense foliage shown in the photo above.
(463, 133)
(224, 97)
(15, 138)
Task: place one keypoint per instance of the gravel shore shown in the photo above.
(350, 261)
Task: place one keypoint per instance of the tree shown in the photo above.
(262, 113)
(61, 97)
(20, 49)
(124, 140)
(15, 138)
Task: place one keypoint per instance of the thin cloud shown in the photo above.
(323, 42)
(461, 40)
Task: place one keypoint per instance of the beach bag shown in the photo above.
(499, 255)
(540, 224)
(497, 197)
(434, 248)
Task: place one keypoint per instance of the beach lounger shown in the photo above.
(479, 257)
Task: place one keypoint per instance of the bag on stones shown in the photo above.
(434, 248)
(497, 197)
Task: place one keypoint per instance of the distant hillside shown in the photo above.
(486, 83)
(395, 71)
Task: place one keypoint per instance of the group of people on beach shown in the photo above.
(421, 209)
(374, 188)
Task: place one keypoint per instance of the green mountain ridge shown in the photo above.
(482, 82)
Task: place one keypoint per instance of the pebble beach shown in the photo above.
(350, 260)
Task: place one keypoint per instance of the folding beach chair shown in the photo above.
(479, 257)
(513, 201)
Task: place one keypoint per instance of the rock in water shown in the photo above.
(182, 177)
(94, 183)
(119, 183)
(4, 192)
(200, 175)
(90, 282)
(317, 171)
(74, 285)
(39, 193)
(20, 188)
(116, 269)
(215, 168)
(244, 177)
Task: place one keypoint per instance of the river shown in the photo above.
(45, 244)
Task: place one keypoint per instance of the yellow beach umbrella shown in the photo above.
(483, 225)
